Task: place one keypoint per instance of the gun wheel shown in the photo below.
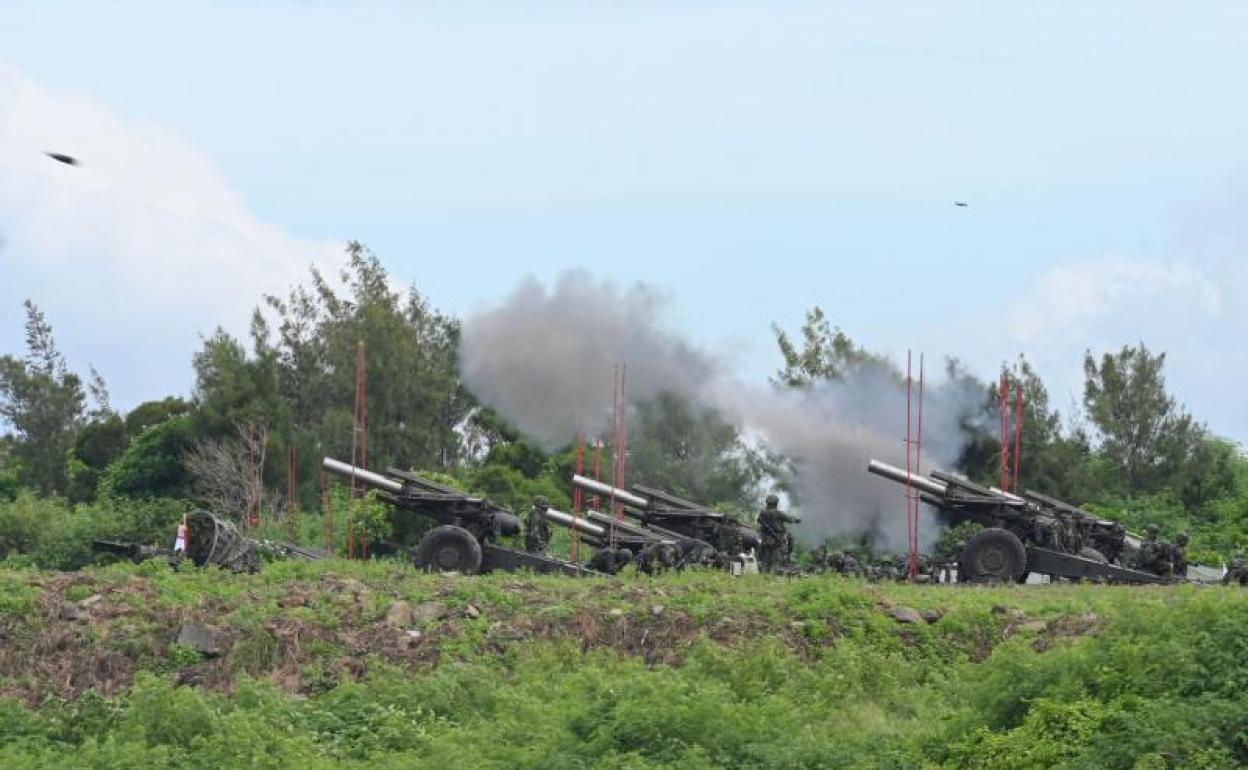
(994, 554)
(449, 549)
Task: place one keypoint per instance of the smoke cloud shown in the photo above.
(544, 359)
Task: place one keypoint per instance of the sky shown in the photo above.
(747, 159)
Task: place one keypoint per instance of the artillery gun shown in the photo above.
(1021, 535)
(468, 526)
(661, 526)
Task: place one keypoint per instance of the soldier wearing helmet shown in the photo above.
(776, 551)
(536, 527)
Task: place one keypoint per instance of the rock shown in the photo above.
(931, 616)
(200, 638)
(1034, 627)
(616, 613)
(90, 601)
(656, 610)
(293, 600)
(797, 625)
(71, 612)
(400, 615)
(472, 612)
(427, 611)
(905, 615)
(413, 633)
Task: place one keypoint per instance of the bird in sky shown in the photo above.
(68, 160)
(961, 204)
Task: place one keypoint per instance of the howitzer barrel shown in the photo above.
(346, 470)
(620, 495)
(893, 473)
(623, 526)
(573, 522)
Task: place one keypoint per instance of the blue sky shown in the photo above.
(749, 158)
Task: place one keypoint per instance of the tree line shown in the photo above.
(1131, 452)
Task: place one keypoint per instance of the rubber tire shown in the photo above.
(449, 548)
(994, 553)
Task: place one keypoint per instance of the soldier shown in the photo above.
(1178, 556)
(1236, 573)
(1112, 544)
(776, 551)
(610, 560)
(1149, 557)
(536, 528)
(850, 565)
(819, 558)
(887, 569)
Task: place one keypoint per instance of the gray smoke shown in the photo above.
(829, 433)
(545, 359)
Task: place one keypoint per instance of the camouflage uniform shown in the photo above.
(1151, 555)
(850, 564)
(776, 551)
(536, 528)
(819, 558)
(610, 560)
(1178, 556)
(1236, 573)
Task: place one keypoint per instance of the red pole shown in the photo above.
(1003, 407)
(1018, 433)
(578, 494)
(910, 506)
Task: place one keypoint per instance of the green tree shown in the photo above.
(415, 399)
(44, 403)
(826, 353)
(693, 452)
(1144, 435)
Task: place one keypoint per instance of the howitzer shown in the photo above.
(656, 517)
(468, 526)
(1031, 533)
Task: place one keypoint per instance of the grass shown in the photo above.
(688, 670)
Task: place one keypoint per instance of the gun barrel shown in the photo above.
(573, 522)
(893, 473)
(620, 495)
(623, 526)
(346, 470)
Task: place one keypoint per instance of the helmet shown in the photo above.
(1181, 538)
(772, 501)
(541, 502)
(1152, 529)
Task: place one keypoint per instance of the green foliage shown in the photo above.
(694, 453)
(56, 535)
(152, 464)
(827, 353)
(44, 403)
(370, 518)
(1155, 681)
(96, 446)
(1144, 434)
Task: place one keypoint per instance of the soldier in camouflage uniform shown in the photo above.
(850, 564)
(610, 560)
(1236, 573)
(776, 552)
(1178, 556)
(536, 527)
(1150, 556)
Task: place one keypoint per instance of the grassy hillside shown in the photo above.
(372, 665)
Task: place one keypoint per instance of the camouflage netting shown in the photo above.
(213, 540)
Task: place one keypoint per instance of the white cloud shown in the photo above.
(144, 244)
(1072, 300)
